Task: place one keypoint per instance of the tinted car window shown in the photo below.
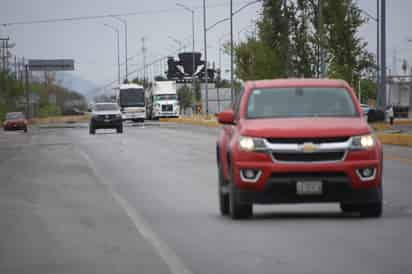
(14, 116)
(300, 102)
(131, 98)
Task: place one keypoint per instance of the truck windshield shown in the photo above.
(106, 107)
(300, 102)
(131, 98)
(14, 116)
(164, 97)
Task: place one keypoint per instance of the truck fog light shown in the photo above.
(249, 175)
(366, 174)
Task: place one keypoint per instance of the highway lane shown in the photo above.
(168, 175)
(56, 216)
(163, 177)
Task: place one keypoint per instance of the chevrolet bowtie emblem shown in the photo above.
(310, 148)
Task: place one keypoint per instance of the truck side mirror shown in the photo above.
(226, 117)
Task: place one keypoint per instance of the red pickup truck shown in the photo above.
(15, 121)
(298, 141)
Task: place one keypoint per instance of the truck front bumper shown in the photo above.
(133, 116)
(340, 181)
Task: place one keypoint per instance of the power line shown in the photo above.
(140, 69)
(94, 17)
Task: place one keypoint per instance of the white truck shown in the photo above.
(131, 100)
(162, 100)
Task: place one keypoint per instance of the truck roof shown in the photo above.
(131, 86)
(301, 82)
(164, 87)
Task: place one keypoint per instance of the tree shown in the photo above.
(197, 93)
(274, 34)
(303, 56)
(291, 34)
(346, 52)
(368, 90)
(185, 98)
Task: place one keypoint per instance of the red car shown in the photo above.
(15, 121)
(298, 141)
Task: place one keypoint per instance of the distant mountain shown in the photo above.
(77, 83)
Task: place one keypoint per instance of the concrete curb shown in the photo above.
(395, 139)
(383, 126)
(190, 121)
(385, 138)
(61, 120)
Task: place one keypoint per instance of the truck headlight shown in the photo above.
(363, 142)
(251, 144)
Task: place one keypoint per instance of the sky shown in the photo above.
(93, 45)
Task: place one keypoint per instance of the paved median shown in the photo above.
(400, 139)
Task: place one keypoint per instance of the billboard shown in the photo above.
(51, 65)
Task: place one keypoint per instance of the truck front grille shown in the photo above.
(167, 108)
(307, 140)
(309, 157)
(109, 116)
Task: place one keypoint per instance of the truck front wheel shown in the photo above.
(120, 129)
(237, 210)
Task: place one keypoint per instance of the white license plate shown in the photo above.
(309, 188)
(106, 120)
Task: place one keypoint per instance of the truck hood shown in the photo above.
(304, 127)
(167, 102)
(113, 112)
(132, 109)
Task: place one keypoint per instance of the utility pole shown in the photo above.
(15, 67)
(26, 74)
(378, 42)
(4, 56)
(116, 30)
(192, 11)
(220, 78)
(144, 50)
(206, 64)
(382, 91)
(125, 45)
(232, 93)
(4, 52)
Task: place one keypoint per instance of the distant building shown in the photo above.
(399, 93)
(181, 70)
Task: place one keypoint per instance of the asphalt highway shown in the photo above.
(146, 202)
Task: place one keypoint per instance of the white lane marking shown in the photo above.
(173, 262)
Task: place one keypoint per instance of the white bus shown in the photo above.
(131, 100)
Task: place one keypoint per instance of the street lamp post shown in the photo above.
(118, 50)
(382, 90)
(220, 71)
(232, 95)
(232, 13)
(378, 42)
(125, 44)
(193, 42)
(206, 64)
